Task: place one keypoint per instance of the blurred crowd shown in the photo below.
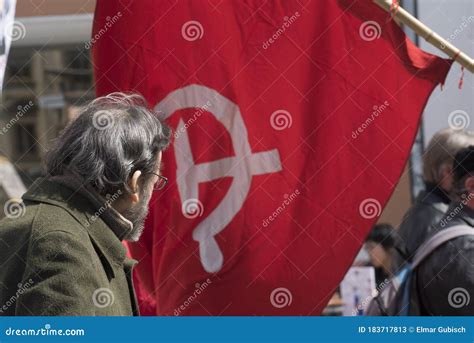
(442, 279)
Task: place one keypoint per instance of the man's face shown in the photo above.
(377, 253)
(138, 213)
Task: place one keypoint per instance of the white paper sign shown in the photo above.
(7, 29)
(357, 289)
(10, 180)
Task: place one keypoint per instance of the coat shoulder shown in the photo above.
(443, 273)
(50, 218)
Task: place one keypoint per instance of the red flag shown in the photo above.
(293, 122)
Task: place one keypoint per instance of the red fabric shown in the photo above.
(326, 195)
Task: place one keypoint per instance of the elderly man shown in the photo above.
(444, 282)
(431, 204)
(63, 255)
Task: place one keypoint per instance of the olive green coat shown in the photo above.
(58, 258)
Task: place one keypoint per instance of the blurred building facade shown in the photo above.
(47, 76)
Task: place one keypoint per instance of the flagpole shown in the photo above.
(429, 35)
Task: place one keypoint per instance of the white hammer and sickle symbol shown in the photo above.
(241, 167)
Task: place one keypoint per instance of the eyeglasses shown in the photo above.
(161, 183)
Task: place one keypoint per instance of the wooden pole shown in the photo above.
(429, 35)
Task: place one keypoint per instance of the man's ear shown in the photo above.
(133, 185)
(469, 184)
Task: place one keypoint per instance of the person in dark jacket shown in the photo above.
(61, 248)
(432, 203)
(444, 281)
(379, 246)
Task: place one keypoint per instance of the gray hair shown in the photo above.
(112, 137)
(441, 150)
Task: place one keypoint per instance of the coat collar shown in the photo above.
(84, 205)
(462, 211)
(103, 206)
(432, 199)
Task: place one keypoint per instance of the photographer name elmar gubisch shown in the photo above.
(440, 329)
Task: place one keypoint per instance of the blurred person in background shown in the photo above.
(379, 246)
(443, 284)
(62, 251)
(432, 203)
